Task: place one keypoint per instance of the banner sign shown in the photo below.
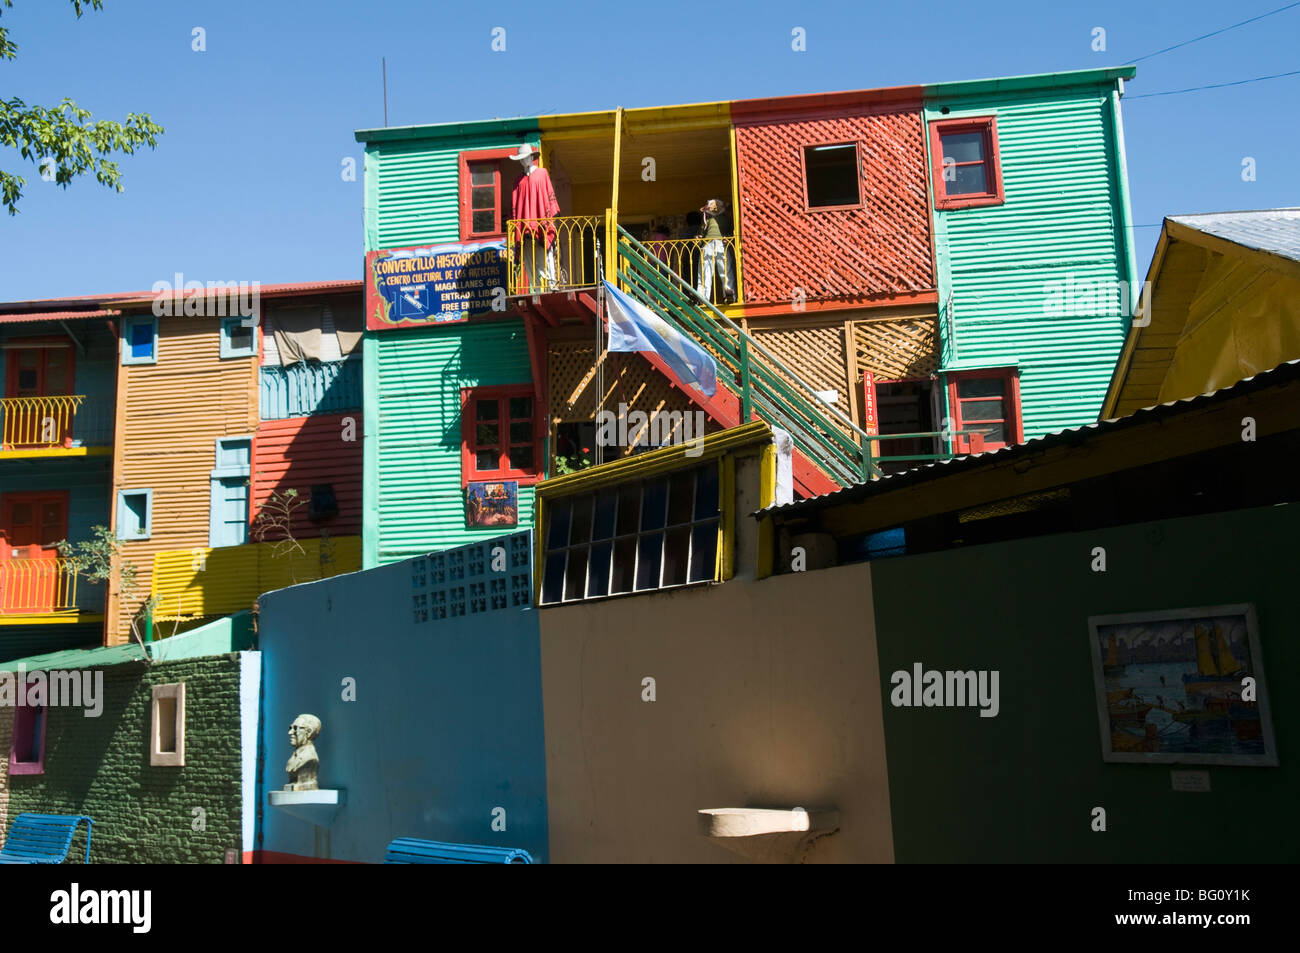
(870, 419)
(437, 284)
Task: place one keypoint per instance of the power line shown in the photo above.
(1194, 89)
(1216, 32)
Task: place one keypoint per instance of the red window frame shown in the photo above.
(1013, 423)
(467, 232)
(43, 345)
(988, 125)
(34, 499)
(803, 173)
(469, 447)
(24, 716)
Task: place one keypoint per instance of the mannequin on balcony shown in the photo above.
(714, 257)
(533, 200)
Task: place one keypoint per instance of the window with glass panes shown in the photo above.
(987, 401)
(485, 183)
(500, 435)
(966, 167)
(634, 537)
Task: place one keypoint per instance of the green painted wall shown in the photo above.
(1020, 787)
(415, 500)
(1062, 170)
(100, 767)
(412, 187)
(412, 487)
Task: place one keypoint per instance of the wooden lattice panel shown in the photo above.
(629, 380)
(881, 248)
(815, 355)
(897, 349)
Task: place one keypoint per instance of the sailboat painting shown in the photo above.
(1182, 686)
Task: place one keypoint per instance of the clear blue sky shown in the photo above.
(245, 183)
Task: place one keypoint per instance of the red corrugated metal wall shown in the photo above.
(305, 451)
(883, 248)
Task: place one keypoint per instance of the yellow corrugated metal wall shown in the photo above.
(204, 582)
(169, 417)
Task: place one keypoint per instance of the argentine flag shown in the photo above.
(634, 327)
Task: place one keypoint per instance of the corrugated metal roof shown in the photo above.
(89, 301)
(1282, 374)
(233, 634)
(55, 316)
(1274, 230)
(77, 658)
(263, 291)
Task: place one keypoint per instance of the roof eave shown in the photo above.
(1018, 84)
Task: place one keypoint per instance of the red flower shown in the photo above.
(586, 450)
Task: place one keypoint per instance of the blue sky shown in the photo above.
(246, 185)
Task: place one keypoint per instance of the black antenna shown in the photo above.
(384, 63)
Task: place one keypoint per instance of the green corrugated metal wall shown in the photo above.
(414, 501)
(420, 503)
(1062, 217)
(413, 190)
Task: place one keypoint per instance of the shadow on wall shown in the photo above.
(426, 676)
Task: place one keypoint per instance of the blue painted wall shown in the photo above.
(447, 721)
(301, 390)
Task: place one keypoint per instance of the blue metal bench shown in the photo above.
(411, 850)
(43, 838)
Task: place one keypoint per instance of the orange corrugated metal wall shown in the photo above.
(170, 415)
(883, 248)
(303, 451)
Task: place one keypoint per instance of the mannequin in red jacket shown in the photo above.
(533, 201)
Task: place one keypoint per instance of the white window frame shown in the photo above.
(157, 757)
(148, 512)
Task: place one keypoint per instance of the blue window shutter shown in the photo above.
(228, 525)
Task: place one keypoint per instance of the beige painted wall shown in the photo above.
(768, 695)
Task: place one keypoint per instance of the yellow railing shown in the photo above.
(27, 422)
(707, 264)
(552, 254)
(31, 586)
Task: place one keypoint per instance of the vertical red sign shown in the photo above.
(871, 422)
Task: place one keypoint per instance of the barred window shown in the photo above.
(653, 534)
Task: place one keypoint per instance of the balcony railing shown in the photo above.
(707, 264)
(552, 254)
(48, 423)
(892, 463)
(35, 586)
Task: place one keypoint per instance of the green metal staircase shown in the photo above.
(756, 381)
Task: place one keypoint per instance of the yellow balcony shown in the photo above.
(709, 265)
(54, 426)
(37, 587)
(552, 254)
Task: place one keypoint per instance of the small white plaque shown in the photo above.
(1190, 780)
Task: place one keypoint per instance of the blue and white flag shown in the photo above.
(634, 327)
